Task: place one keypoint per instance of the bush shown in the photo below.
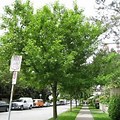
(114, 108)
(104, 99)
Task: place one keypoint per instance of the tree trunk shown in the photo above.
(54, 92)
(70, 103)
(76, 103)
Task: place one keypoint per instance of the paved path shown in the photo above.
(84, 114)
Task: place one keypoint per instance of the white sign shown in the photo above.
(14, 78)
(15, 63)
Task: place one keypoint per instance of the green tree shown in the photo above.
(54, 42)
(104, 68)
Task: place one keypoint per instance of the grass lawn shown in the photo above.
(68, 115)
(98, 114)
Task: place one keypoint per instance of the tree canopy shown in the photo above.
(54, 42)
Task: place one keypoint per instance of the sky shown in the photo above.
(87, 5)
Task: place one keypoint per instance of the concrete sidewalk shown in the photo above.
(84, 114)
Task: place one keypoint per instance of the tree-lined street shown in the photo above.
(56, 44)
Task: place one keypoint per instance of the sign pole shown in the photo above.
(14, 67)
(14, 78)
(10, 105)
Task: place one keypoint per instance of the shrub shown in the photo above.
(114, 108)
(104, 99)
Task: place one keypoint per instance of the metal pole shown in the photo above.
(10, 104)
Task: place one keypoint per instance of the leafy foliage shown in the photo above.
(55, 43)
(114, 108)
(106, 68)
(104, 99)
(51, 41)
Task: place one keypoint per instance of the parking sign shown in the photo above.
(15, 63)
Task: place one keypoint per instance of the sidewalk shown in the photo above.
(84, 114)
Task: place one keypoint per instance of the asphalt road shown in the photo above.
(35, 114)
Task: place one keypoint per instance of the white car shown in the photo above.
(22, 103)
(46, 104)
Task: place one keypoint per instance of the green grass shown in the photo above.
(98, 114)
(69, 115)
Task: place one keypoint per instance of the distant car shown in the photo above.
(23, 103)
(51, 104)
(62, 101)
(58, 102)
(38, 102)
(4, 106)
(46, 104)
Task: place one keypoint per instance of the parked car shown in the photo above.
(38, 102)
(62, 102)
(23, 103)
(46, 104)
(4, 106)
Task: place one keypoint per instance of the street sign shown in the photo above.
(14, 78)
(15, 63)
(15, 67)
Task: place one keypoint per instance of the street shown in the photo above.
(35, 114)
